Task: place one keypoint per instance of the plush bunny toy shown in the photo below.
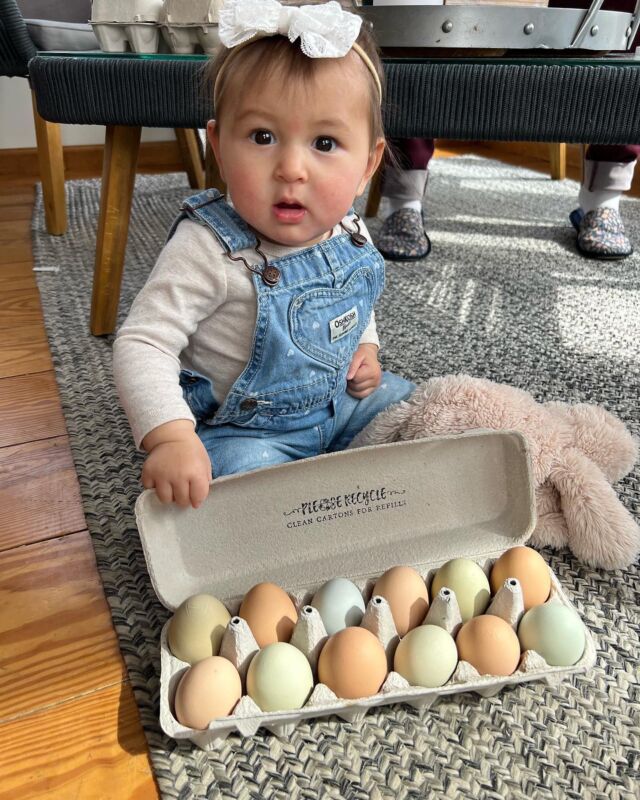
(577, 451)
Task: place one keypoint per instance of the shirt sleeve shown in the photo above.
(370, 334)
(186, 285)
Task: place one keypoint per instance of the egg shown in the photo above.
(196, 628)
(407, 595)
(530, 568)
(468, 581)
(269, 612)
(426, 656)
(209, 689)
(279, 678)
(340, 604)
(353, 663)
(554, 631)
(489, 644)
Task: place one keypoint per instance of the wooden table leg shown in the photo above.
(558, 159)
(118, 176)
(191, 156)
(51, 164)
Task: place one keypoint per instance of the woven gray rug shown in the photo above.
(504, 296)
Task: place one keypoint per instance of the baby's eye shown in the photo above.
(262, 137)
(325, 144)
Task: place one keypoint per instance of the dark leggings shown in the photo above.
(416, 153)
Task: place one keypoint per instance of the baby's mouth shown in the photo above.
(289, 211)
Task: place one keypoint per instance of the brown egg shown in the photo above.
(209, 689)
(269, 612)
(489, 644)
(406, 593)
(353, 663)
(530, 568)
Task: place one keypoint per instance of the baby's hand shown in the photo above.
(178, 466)
(365, 373)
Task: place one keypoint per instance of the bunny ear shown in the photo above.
(601, 531)
(600, 435)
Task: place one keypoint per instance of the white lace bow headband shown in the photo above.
(325, 30)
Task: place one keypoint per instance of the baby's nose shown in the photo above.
(292, 165)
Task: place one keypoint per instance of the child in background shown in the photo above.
(253, 341)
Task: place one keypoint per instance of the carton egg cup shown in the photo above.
(351, 514)
(143, 26)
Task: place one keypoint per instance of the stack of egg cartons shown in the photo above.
(189, 24)
(122, 25)
(186, 26)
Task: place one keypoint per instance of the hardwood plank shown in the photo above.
(19, 275)
(25, 351)
(14, 231)
(22, 211)
(92, 748)
(20, 307)
(16, 193)
(15, 251)
(56, 636)
(30, 409)
(39, 492)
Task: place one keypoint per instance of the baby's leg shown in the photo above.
(233, 450)
(352, 415)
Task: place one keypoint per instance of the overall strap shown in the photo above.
(210, 209)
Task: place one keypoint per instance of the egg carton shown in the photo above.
(352, 514)
(144, 26)
(309, 635)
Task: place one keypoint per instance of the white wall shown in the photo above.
(16, 121)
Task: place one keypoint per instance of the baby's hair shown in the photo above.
(276, 54)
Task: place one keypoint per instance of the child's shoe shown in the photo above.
(403, 237)
(601, 233)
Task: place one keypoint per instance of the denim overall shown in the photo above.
(290, 401)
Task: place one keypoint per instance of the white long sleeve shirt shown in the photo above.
(196, 311)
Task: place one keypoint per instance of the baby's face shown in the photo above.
(294, 157)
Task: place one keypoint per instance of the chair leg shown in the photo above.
(191, 156)
(212, 177)
(118, 176)
(558, 160)
(375, 193)
(51, 164)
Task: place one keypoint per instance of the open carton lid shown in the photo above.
(351, 514)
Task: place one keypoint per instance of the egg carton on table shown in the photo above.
(143, 26)
(352, 514)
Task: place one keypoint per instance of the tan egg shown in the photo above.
(489, 644)
(406, 593)
(353, 663)
(196, 628)
(269, 612)
(209, 689)
(530, 568)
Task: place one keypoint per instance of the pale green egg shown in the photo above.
(279, 678)
(196, 628)
(426, 656)
(555, 631)
(469, 582)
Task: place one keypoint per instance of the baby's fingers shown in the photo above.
(164, 490)
(198, 490)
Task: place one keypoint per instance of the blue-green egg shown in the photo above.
(555, 631)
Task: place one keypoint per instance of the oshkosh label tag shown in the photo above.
(340, 326)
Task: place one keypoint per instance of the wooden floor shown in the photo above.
(69, 725)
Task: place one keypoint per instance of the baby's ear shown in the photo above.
(213, 136)
(375, 157)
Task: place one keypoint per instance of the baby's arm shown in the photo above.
(178, 466)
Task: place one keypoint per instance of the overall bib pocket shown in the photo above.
(327, 324)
